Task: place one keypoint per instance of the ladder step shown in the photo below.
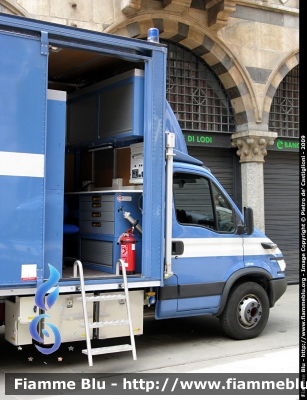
(109, 349)
(107, 323)
(95, 299)
(103, 297)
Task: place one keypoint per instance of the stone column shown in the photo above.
(251, 150)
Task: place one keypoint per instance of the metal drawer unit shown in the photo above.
(97, 214)
(101, 224)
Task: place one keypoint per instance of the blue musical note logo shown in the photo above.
(50, 300)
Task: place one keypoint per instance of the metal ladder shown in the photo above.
(110, 349)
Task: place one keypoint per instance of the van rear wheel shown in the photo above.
(246, 312)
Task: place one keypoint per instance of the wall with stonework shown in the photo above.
(86, 14)
(252, 39)
(261, 41)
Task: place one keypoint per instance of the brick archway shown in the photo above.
(278, 75)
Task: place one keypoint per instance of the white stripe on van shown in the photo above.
(224, 247)
(22, 164)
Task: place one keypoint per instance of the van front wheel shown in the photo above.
(246, 312)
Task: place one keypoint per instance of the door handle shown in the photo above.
(177, 248)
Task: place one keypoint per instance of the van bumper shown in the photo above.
(278, 288)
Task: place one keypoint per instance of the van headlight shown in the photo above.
(282, 264)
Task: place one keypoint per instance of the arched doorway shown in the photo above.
(281, 173)
(203, 110)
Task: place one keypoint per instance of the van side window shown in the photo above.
(199, 202)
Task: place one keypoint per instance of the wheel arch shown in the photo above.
(254, 274)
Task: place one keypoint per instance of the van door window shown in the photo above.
(198, 201)
(224, 211)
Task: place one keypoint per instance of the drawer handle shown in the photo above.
(96, 205)
(96, 224)
(96, 198)
(96, 214)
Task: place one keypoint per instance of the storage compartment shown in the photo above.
(103, 120)
(109, 111)
(101, 224)
(98, 254)
(18, 316)
(66, 315)
(97, 214)
(116, 310)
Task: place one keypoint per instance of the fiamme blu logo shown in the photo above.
(45, 302)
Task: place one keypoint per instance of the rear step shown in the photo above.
(109, 349)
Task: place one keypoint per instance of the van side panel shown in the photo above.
(22, 157)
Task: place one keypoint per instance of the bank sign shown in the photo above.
(285, 145)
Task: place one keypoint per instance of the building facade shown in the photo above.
(233, 71)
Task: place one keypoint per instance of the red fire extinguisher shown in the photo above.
(127, 251)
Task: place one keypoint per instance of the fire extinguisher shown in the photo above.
(127, 250)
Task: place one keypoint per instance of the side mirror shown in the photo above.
(248, 220)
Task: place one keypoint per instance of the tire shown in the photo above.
(246, 312)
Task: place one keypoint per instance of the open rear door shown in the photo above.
(23, 83)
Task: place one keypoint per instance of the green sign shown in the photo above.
(286, 145)
(198, 139)
(210, 139)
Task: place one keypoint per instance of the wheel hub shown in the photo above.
(249, 311)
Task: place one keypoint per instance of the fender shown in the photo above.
(265, 262)
(247, 271)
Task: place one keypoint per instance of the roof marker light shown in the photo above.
(153, 35)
